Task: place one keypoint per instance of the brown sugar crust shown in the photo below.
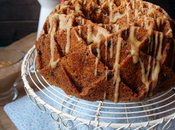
(117, 50)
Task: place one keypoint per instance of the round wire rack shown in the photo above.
(72, 113)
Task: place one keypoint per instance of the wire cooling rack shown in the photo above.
(65, 110)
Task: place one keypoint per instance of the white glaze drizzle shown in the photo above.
(53, 26)
(169, 31)
(104, 96)
(114, 16)
(82, 21)
(111, 48)
(106, 47)
(105, 26)
(106, 57)
(110, 3)
(90, 48)
(159, 54)
(156, 62)
(95, 38)
(67, 49)
(78, 37)
(101, 32)
(156, 69)
(79, 30)
(163, 21)
(84, 2)
(116, 27)
(158, 20)
(73, 1)
(117, 58)
(97, 58)
(93, 5)
(65, 21)
(145, 79)
(63, 6)
(100, 24)
(136, 13)
(145, 21)
(89, 34)
(104, 3)
(133, 4)
(96, 66)
(134, 44)
(154, 75)
(152, 11)
(116, 66)
(77, 8)
(80, 1)
(141, 5)
(128, 11)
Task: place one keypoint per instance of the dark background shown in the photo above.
(19, 18)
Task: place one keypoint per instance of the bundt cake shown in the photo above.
(117, 50)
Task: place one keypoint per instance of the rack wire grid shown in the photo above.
(65, 110)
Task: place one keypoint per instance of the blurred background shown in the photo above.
(19, 18)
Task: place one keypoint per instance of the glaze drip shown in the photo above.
(117, 78)
(52, 30)
(135, 44)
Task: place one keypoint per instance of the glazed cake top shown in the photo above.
(134, 22)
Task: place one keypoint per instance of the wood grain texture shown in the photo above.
(25, 43)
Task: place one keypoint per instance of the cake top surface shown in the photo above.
(113, 30)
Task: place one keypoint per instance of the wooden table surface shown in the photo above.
(24, 44)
